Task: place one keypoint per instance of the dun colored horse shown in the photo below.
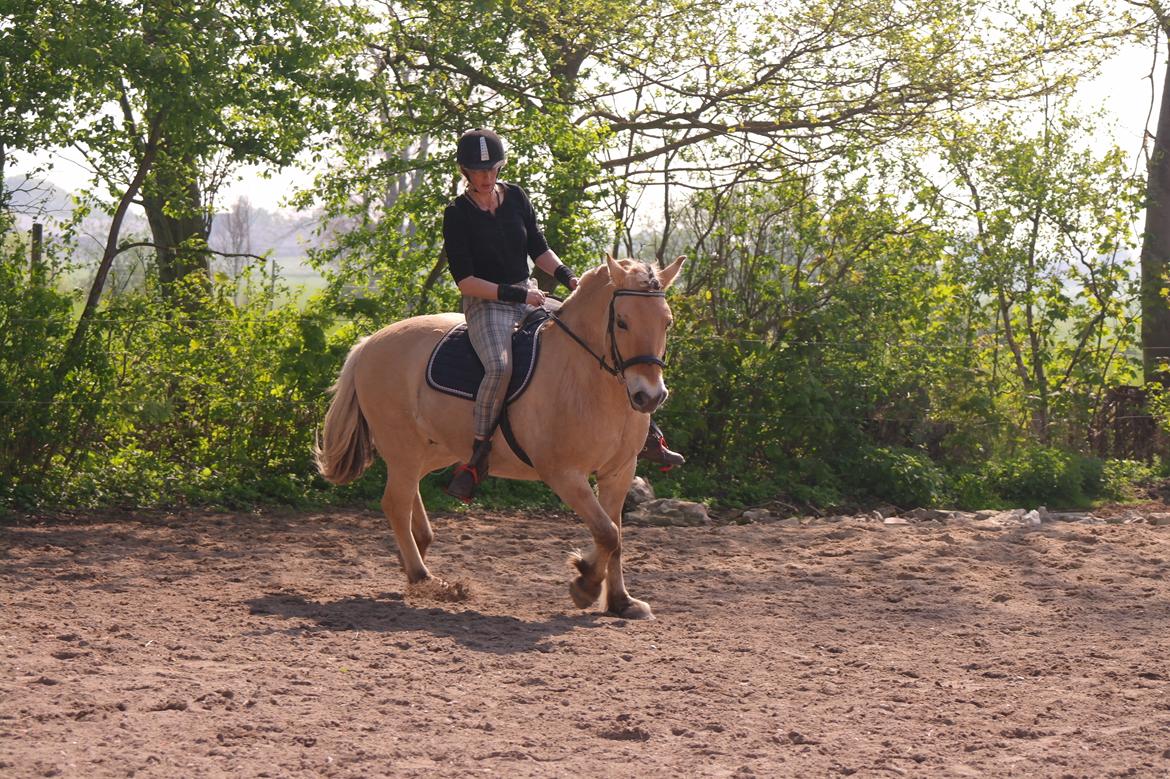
(586, 412)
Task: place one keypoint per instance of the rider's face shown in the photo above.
(482, 180)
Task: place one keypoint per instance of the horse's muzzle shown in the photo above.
(647, 402)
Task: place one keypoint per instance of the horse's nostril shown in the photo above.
(640, 398)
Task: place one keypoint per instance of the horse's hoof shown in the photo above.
(433, 588)
(582, 594)
(633, 609)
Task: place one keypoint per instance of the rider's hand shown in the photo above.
(573, 283)
(535, 298)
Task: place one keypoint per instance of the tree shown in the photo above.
(1041, 225)
(607, 99)
(238, 222)
(164, 100)
(36, 99)
(1155, 256)
(170, 97)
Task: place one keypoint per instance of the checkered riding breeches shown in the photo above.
(490, 324)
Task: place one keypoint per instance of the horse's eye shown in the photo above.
(621, 323)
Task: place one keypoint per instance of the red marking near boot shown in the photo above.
(474, 475)
(662, 443)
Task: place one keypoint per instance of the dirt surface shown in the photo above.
(242, 645)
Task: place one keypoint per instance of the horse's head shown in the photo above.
(638, 320)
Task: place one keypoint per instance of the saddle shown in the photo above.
(454, 367)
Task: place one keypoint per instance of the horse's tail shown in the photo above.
(345, 449)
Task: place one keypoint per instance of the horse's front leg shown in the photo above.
(574, 490)
(420, 526)
(612, 488)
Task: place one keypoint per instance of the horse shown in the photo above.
(586, 411)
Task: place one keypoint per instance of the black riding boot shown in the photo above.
(655, 449)
(467, 477)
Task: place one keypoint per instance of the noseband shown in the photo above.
(618, 368)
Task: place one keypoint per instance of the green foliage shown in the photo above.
(1128, 480)
(903, 477)
(44, 417)
(166, 99)
(851, 324)
(164, 406)
(971, 490)
(1044, 476)
(1040, 223)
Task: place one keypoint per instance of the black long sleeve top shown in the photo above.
(495, 247)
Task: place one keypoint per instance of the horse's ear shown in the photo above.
(668, 274)
(617, 274)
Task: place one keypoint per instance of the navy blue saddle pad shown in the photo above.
(454, 367)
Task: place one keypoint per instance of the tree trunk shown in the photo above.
(1156, 251)
(179, 225)
(103, 269)
(3, 187)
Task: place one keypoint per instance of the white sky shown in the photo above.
(1122, 91)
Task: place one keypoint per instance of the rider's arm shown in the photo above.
(538, 249)
(549, 262)
(457, 246)
(475, 287)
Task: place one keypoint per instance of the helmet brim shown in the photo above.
(477, 165)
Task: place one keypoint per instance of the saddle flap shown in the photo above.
(454, 367)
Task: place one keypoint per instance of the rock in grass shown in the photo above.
(668, 512)
(757, 515)
(640, 492)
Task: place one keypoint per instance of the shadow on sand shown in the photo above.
(389, 613)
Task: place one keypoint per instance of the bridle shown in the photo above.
(619, 365)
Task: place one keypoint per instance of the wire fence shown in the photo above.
(980, 342)
(141, 406)
(1101, 420)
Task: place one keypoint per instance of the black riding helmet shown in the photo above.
(480, 150)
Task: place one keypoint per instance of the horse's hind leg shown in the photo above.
(398, 502)
(420, 526)
(611, 489)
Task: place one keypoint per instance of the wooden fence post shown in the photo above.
(36, 267)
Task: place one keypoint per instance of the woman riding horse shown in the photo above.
(582, 420)
(490, 231)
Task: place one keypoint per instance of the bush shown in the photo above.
(1041, 475)
(1124, 480)
(904, 477)
(47, 414)
(971, 490)
(192, 400)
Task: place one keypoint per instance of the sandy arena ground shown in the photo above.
(287, 645)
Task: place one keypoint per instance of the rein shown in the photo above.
(618, 368)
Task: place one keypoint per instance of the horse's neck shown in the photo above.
(587, 393)
(585, 313)
(597, 391)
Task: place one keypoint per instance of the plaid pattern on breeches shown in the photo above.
(490, 324)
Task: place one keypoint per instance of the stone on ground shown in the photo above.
(668, 512)
(640, 492)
